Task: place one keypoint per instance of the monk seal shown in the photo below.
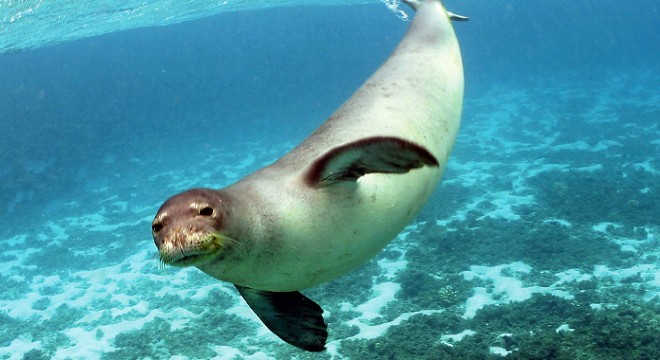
(338, 198)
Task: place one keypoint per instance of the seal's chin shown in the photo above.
(189, 260)
(193, 249)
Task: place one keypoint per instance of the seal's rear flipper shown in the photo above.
(457, 17)
(415, 4)
(290, 315)
(390, 155)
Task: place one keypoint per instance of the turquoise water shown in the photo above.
(541, 242)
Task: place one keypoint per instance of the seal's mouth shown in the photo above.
(193, 248)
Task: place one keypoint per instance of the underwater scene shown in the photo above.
(542, 240)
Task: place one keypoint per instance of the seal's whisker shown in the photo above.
(161, 264)
(223, 241)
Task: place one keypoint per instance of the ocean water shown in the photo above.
(541, 242)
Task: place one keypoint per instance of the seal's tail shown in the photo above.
(416, 3)
(457, 17)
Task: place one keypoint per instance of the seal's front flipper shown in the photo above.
(290, 315)
(389, 155)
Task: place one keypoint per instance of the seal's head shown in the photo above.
(188, 228)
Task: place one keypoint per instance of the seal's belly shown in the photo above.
(332, 231)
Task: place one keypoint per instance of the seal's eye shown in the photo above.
(156, 227)
(206, 211)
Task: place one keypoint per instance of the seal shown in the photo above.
(338, 198)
